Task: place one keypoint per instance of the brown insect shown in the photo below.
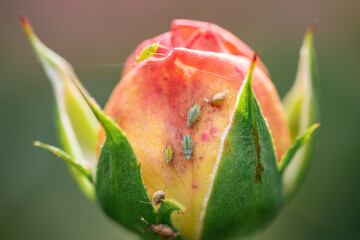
(162, 230)
(218, 98)
(158, 197)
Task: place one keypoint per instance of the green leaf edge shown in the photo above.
(291, 101)
(65, 156)
(165, 210)
(297, 144)
(257, 118)
(111, 129)
(39, 49)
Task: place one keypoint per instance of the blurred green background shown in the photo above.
(39, 199)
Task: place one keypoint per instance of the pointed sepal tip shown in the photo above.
(27, 27)
(298, 143)
(65, 156)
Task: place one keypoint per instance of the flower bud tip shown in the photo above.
(23, 19)
(26, 25)
(254, 62)
(311, 27)
(255, 57)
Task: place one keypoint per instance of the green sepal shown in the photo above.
(119, 185)
(76, 123)
(165, 210)
(301, 106)
(297, 144)
(65, 156)
(246, 191)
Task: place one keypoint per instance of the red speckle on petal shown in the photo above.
(182, 171)
(238, 70)
(214, 132)
(201, 158)
(159, 90)
(209, 112)
(194, 186)
(208, 123)
(204, 137)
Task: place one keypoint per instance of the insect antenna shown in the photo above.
(102, 65)
(143, 219)
(99, 145)
(160, 54)
(144, 202)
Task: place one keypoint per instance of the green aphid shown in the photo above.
(147, 51)
(169, 152)
(187, 146)
(193, 115)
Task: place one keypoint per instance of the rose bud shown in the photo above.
(194, 122)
